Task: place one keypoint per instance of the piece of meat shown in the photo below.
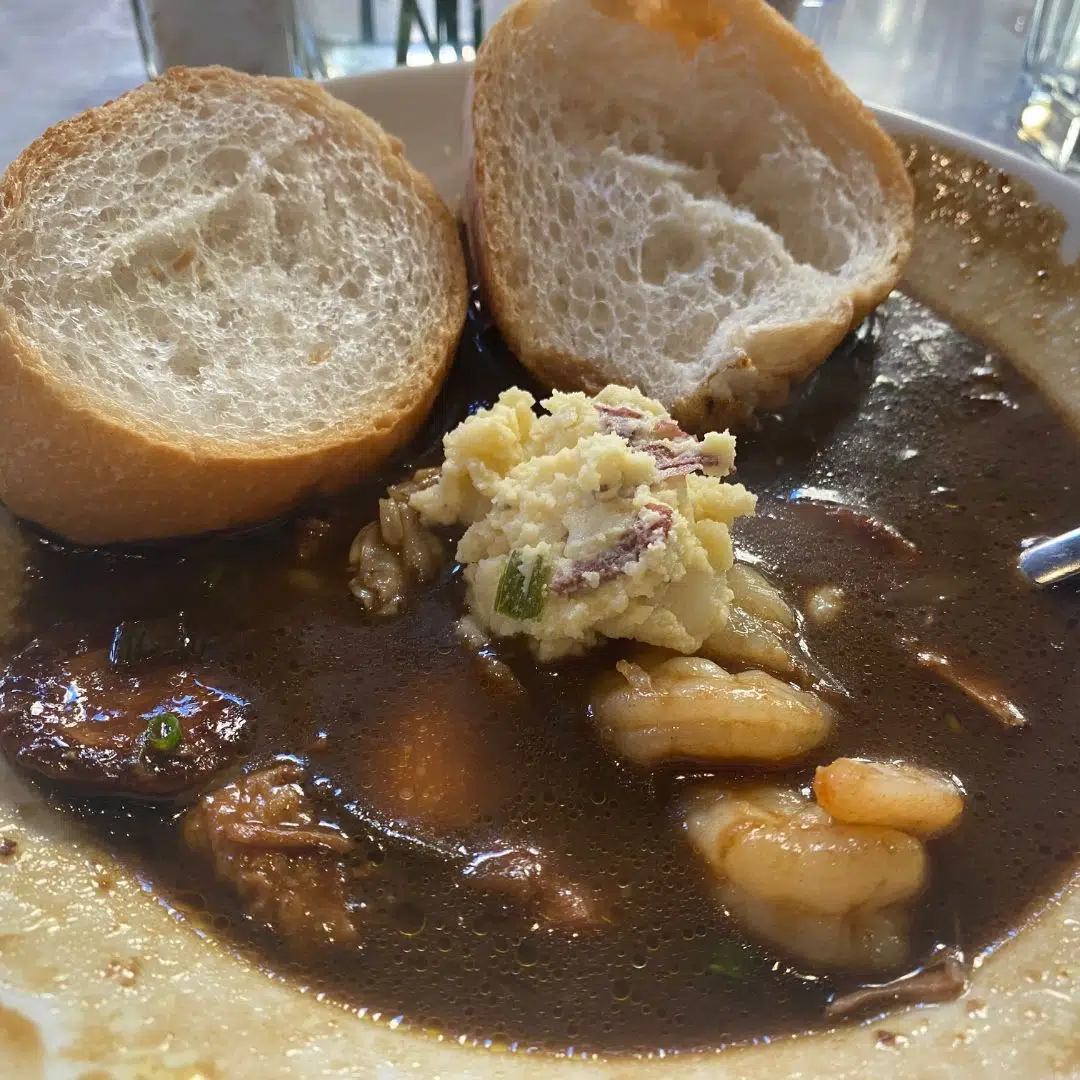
(672, 461)
(266, 841)
(391, 555)
(855, 520)
(76, 718)
(533, 879)
(621, 420)
(979, 688)
(439, 770)
(943, 979)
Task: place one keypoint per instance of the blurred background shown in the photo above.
(968, 64)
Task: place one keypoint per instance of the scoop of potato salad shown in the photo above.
(599, 518)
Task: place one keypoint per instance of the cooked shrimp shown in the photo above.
(829, 869)
(689, 707)
(914, 800)
(830, 892)
(864, 940)
(757, 596)
(716, 819)
(746, 639)
(782, 849)
(760, 631)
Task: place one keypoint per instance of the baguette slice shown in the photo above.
(218, 293)
(677, 195)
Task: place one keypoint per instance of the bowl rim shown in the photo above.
(264, 1028)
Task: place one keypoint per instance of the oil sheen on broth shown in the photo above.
(907, 418)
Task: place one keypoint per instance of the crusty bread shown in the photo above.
(678, 195)
(218, 293)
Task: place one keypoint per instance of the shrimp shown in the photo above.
(782, 849)
(760, 630)
(916, 801)
(829, 869)
(758, 597)
(863, 940)
(830, 892)
(745, 639)
(689, 707)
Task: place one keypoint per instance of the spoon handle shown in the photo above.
(1052, 560)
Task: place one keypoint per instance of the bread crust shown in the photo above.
(93, 474)
(771, 359)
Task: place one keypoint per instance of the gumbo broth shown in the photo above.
(907, 472)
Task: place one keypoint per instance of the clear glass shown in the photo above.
(258, 36)
(1052, 52)
(1050, 121)
(341, 37)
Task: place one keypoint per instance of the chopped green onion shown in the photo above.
(163, 732)
(519, 596)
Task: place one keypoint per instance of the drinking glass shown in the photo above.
(1050, 121)
(318, 38)
(258, 36)
(340, 37)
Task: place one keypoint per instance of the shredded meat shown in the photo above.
(669, 429)
(977, 687)
(266, 842)
(72, 716)
(378, 580)
(644, 531)
(944, 978)
(856, 520)
(532, 879)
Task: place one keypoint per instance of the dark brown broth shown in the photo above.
(908, 419)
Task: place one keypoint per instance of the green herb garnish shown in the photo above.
(520, 595)
(163, 732)
(730, 960)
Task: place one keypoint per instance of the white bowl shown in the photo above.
(99, 979)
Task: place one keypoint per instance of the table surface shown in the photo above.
(957, 62)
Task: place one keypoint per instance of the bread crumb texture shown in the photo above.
(242, 259)
(618, 517)
(679, 196)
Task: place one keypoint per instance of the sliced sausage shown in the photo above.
(158, 731)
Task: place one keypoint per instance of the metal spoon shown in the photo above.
(1052, 560)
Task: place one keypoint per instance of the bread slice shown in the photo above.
(677, 195)
(218, 294)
